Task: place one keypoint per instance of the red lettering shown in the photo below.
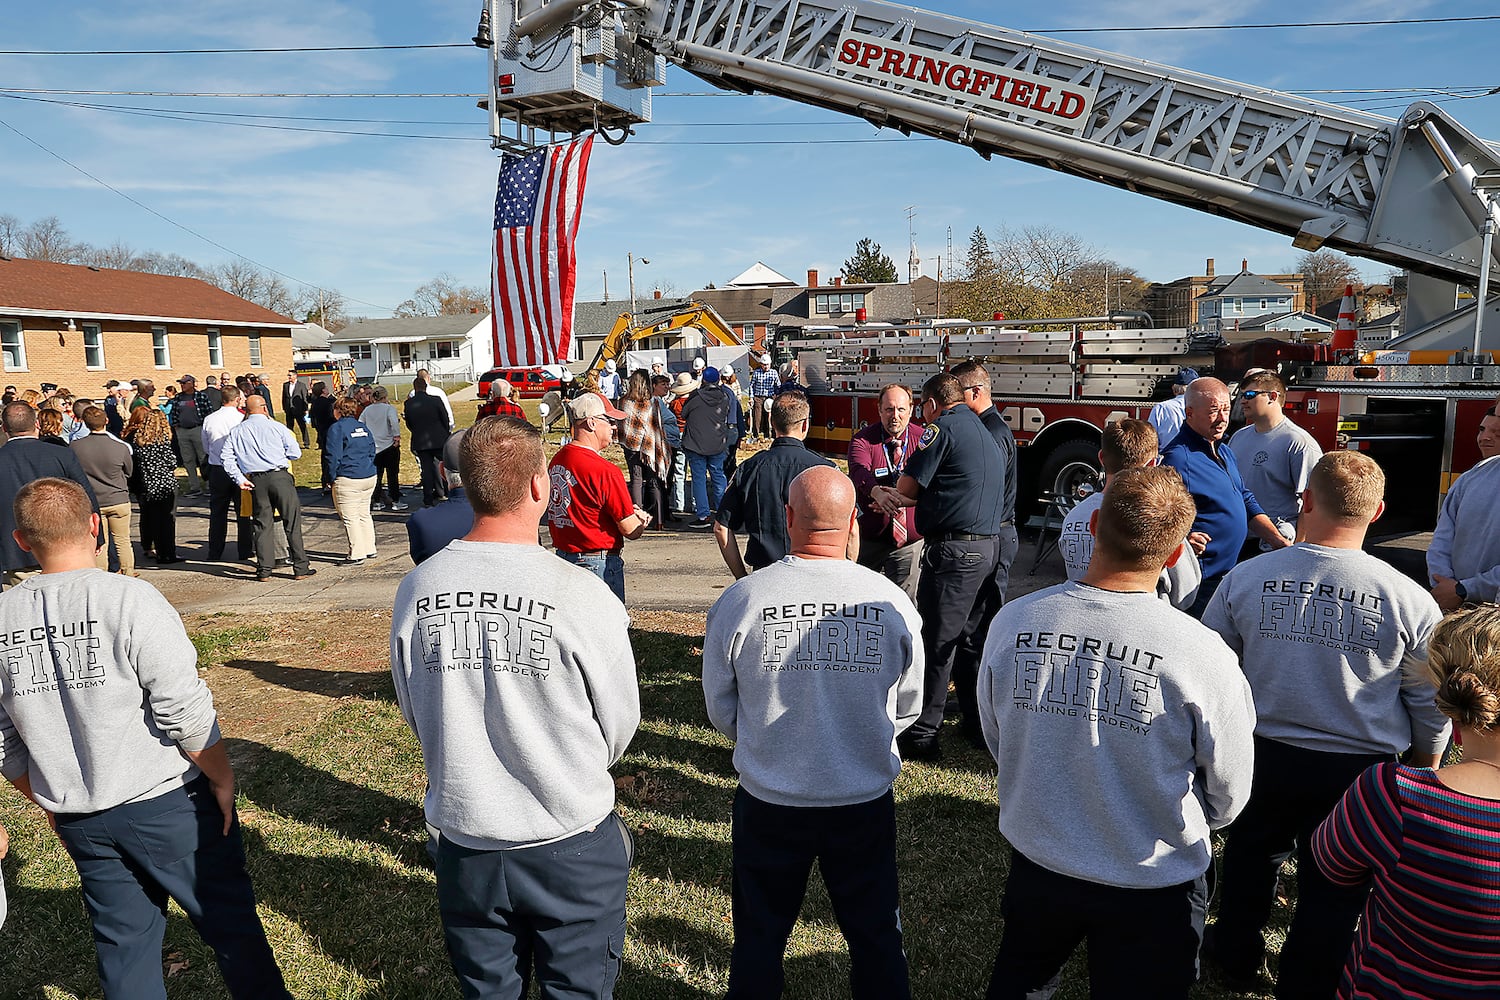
(871, 53)
(957, 77)
(1020, 93)
(932, 70)
(849, 52)
(893, 60)
(1000, 82)
(911, 70)
(1071, 105)
(982, 78)
(1041, 93)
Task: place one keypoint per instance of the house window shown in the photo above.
(361, 352)
(838, 303)
(93, 346)
(444, 349)
(255, 350)
(1263, 305)
(13, 347)
(748, 332)
(161, 356)
(215, 349)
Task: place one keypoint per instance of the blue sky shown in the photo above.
(377, 216)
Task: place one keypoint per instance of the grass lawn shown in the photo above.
(330, 798)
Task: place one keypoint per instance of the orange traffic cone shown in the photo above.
(1345, 332)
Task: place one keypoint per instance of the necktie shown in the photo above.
(898, 521)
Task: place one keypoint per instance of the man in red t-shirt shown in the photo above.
(590, 513)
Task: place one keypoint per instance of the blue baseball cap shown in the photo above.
(1186, 376)
(710, 376)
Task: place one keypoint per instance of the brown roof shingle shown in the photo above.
(42, 286)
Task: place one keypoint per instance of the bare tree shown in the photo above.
(442, 296)
(253, 283)
(117, 255)
(46, 239)
(173, 264)
(325, 307)
(10, 235)
(1324, 275)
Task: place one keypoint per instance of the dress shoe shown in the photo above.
(305, 574)
(923, 748)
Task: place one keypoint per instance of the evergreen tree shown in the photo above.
(869, 265)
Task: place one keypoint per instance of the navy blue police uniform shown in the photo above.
(992, 593)
(959, 514)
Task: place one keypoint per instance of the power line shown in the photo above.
(269, 95)
(1278, 24)
(222, 52)
(172, 222)
(182, 93)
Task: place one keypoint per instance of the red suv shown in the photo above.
(528, 383)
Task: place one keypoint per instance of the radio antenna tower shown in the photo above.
(914, 260)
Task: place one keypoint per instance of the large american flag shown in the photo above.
(537, 205)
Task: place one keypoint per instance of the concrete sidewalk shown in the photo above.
(676, 570)
(673, 570)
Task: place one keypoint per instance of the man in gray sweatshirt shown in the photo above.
(106, 725)
(514, 669)
(815, 658)
(1463, 559)
(1123, 732)
(1323, 631)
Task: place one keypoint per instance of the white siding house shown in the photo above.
(453, 348)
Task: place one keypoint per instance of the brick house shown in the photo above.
(1175, 304)
(80, 326)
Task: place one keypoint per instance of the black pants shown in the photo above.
(388, 470)
(953, 576)
(131, 859)
(971, 647)
(1141, 942)
(322, 432)
(855, 848)
(224, 503)
(1292, 792)
(295, 423)
(159, 526)
(647, 491)
(556, 911)
(277, 491)
(427, 460)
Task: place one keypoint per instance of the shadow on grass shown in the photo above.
(374, 684)
(278, 781)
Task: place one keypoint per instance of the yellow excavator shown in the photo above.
(624, 333)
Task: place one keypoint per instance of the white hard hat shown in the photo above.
(727, 371)
(567, 375)
(765, 359)
(699, 364)
(609, 365)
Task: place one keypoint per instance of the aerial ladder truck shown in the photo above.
(1412, 192)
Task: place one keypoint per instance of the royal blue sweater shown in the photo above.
(1225, 507)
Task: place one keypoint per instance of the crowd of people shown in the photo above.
(1224, 663)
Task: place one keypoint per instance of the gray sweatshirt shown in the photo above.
(1123, 731)
(1178, 583)
(1323, 635)
(812, 667)
(1275, 466)
(1466, 542)
(101, 692)
(514, 669)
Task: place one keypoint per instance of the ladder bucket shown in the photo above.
(1345, 332)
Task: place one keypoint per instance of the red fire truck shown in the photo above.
(1413, 192)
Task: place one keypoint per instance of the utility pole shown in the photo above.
(938, 260)
(606, 285)
(630, 264)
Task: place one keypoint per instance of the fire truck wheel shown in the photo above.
(1070, 465)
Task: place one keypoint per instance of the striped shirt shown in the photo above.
(1431, 926)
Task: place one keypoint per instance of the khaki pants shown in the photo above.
(351, 498)
(15, 576)
(117, 523)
